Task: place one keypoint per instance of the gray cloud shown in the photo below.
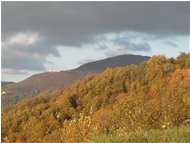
(74, 23)
(127, 47)
(13, 71)
(172, 44)
(129, 42)
(139, 47)
(116, 49)
(23, 52)
(79, 23)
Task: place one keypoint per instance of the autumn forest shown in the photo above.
(151, 96)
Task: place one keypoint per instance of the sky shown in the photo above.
(37, 36)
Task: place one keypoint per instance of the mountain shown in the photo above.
(118, 61)
(3, 83)
(117, 101)
(49, 81)
(38, 84)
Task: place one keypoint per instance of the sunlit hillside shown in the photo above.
(151, 97)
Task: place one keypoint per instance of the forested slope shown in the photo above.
(153, 95)
(49, 81)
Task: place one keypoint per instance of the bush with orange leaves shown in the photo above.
(168, 108)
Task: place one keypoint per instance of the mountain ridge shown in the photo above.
(49, 81)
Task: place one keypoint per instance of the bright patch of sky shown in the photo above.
(106, 45)
(71, 57)
(103, 46)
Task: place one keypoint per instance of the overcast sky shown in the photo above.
(37, 36)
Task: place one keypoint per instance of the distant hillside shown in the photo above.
(118, 61)
(3, 83)
(119, 101)
(38, 84)
(49, 81)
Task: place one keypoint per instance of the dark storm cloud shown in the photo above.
(79, 23)
(73, 23)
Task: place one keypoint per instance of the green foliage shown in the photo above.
(181, 59)
(187, 63)
(174, 135)
(152, 95)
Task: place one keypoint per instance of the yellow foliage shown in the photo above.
(153, 95)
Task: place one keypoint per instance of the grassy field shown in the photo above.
(174, 135)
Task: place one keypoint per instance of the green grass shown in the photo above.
(174, 135)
